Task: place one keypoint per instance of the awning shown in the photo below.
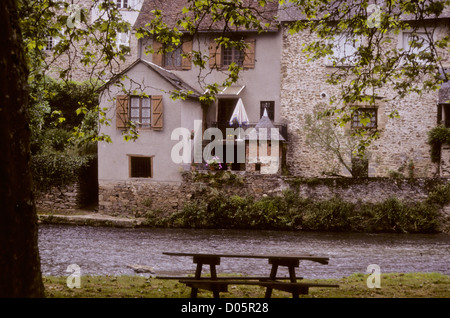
(231, 90)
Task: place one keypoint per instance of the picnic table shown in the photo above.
(218, 284)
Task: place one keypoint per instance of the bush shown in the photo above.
(54, 169)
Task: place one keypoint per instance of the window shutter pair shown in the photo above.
(158, 57)
(215, 54)
(122, 112)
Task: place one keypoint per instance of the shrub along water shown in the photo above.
(214, 209)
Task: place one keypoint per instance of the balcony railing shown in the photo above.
(223, 125)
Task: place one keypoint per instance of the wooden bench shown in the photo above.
(221, 285)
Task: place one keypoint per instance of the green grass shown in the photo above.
(393, 285)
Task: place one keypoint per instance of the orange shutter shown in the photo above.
(186, 61)
(157, 112)
(122, 112)
(157, 56)
(249, 57)
(215, 55)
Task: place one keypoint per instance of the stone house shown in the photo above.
(129, 10)
(402, 146)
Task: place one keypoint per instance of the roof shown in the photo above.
(172, 11)
(289, 12)
(172, 78)
(263, 130)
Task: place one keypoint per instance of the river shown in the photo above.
(109, 251)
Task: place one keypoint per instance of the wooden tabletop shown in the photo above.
(309, 257)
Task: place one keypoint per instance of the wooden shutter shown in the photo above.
(249, 57)
(215, 55)
(157, 112)
(186, 61)
(122, 112)
(157, 58)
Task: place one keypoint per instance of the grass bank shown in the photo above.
(393, 285)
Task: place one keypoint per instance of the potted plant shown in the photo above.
(214, 163)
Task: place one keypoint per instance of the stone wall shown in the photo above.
(136, 198)
(402, 142)
(59, 199)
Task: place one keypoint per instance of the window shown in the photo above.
(221, 57)
(51, 43)
(174, 59)
(123, 39)
(364, 118)
(415, 43)
(360, 167)
(141, 167)
(140, 111)
(232, 55)
(122, 4)
(344, 47)
(269, 106)
(177, 59)
(144, 112)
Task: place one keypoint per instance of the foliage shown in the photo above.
(57, 169)
(438, 136)
(290, 211)
(58, 155)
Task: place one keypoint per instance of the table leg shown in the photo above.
(214, 276)
(198, 273)
(273, 275)
(293, 280)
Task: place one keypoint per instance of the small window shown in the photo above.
(123, 40)
(360, 167)
(416, 43)
(344, 47)
(269, 106)
(51, 43)
(232, 55)
(140, 167)
(122, 4)
(364, 118)
(140, 111)
(174, 58)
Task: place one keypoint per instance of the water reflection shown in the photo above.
(108, 251)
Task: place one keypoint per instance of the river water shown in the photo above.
(109, 251)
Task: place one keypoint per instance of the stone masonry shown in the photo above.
(402, 141)
(136, 198)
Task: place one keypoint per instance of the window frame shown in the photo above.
(176, 50)
(140, 124)
(348, 40)
(237, 56)
(356, 123)
(123, 4)
(120, 43)
(140, 157)
(406, 46)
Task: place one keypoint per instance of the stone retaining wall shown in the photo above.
(59, 199)
(137, 197)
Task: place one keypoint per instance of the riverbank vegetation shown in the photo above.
(212, 208)
(393, 285)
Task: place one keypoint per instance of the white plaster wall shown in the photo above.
(113, 159)
(262, 82)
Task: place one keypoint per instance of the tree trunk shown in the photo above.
(20, 272)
